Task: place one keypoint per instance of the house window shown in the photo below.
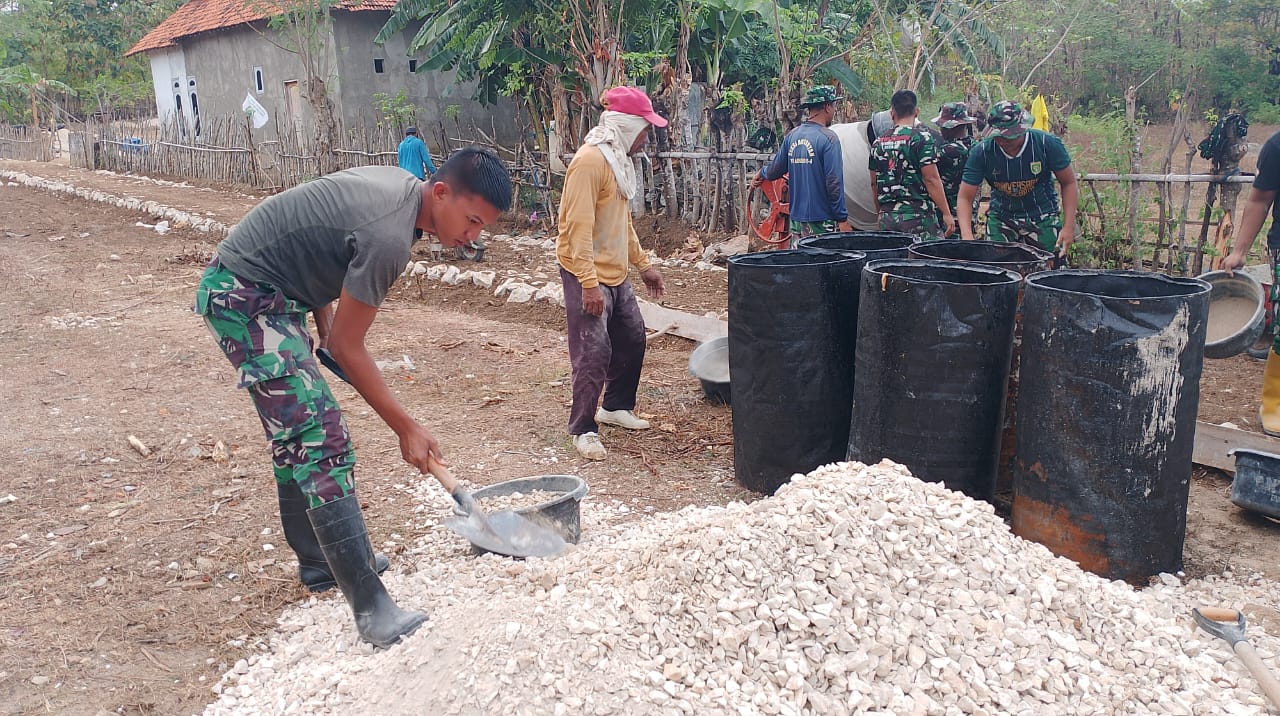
(413, 65)
(195, 105)
(177, 103)
(377, 65)
(257, 80)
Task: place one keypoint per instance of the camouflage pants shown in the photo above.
(1041, 233)
(264, 334)
(925, 226)
(803, 229)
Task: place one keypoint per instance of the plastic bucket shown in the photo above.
(934, 339)
(1110, 386)
(561, 512)
(1257, 482)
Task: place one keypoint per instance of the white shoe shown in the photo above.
(622, 419)
(589, 446)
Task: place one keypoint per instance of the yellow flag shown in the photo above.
(1040, 114)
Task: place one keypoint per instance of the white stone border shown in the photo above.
(176, 217)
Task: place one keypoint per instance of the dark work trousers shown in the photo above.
(604, 350)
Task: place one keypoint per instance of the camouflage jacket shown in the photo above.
(897, 159)
(951, 158)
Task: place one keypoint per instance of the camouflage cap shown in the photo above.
(820, 95)
(1007, 120)
(953, 114)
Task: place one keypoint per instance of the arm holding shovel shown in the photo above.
(346, 342)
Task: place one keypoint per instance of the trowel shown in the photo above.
(505, 532)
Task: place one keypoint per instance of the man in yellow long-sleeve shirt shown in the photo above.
(597, 242)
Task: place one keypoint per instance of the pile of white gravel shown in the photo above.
(854, 590)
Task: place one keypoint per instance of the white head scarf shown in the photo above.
(614, 136)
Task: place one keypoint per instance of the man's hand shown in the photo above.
(1065, 239)
(756, 180)
(1232, 262)
(418, 445)
(324, 323)
(593, 301)
(653, 281)
(949, 222)
(844, 226)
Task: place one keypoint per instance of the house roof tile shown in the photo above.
(198, 16)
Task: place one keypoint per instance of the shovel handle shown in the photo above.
(441, 473)
(1266, 680)
(456, 491)
(1218, 614)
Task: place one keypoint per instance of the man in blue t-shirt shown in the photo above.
(413, 155)
(1262, 198)
(1020, 164)
(810, 154)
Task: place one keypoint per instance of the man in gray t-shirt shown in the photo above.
(345, 236)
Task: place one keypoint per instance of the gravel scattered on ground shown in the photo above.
(854, 590)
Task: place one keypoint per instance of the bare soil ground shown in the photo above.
(129, 583)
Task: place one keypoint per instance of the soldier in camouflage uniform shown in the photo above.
(344, 236)
(904, 171)
(956, 125)
(1021, 165)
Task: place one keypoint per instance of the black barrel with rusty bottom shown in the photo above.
(1025, 260)
(933, 355)
(875, 244)
(1110, 385)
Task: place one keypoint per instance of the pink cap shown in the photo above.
(633, 100)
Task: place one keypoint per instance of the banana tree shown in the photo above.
(23, 80)
(718, 25)
(577, 44)
(928, 29)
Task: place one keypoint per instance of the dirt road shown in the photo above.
(128, 584)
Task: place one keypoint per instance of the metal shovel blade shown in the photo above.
(507, 533)
(1215, 621)
(327, 360)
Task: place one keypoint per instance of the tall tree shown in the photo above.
(305, 28)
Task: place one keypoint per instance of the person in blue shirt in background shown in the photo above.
(413, 155)
(810, 155)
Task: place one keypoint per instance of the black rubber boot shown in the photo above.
(313, 570)
(340, 529)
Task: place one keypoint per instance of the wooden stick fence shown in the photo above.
(26, 143)
(706, 189)
(1165, 253)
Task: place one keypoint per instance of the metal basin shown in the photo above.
(709, 363)
(561, 512)
(1236, 313)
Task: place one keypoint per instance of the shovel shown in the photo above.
(327, 360)
(504, 532)
(1228, 625)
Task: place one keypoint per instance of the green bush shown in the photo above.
(1265, 113)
